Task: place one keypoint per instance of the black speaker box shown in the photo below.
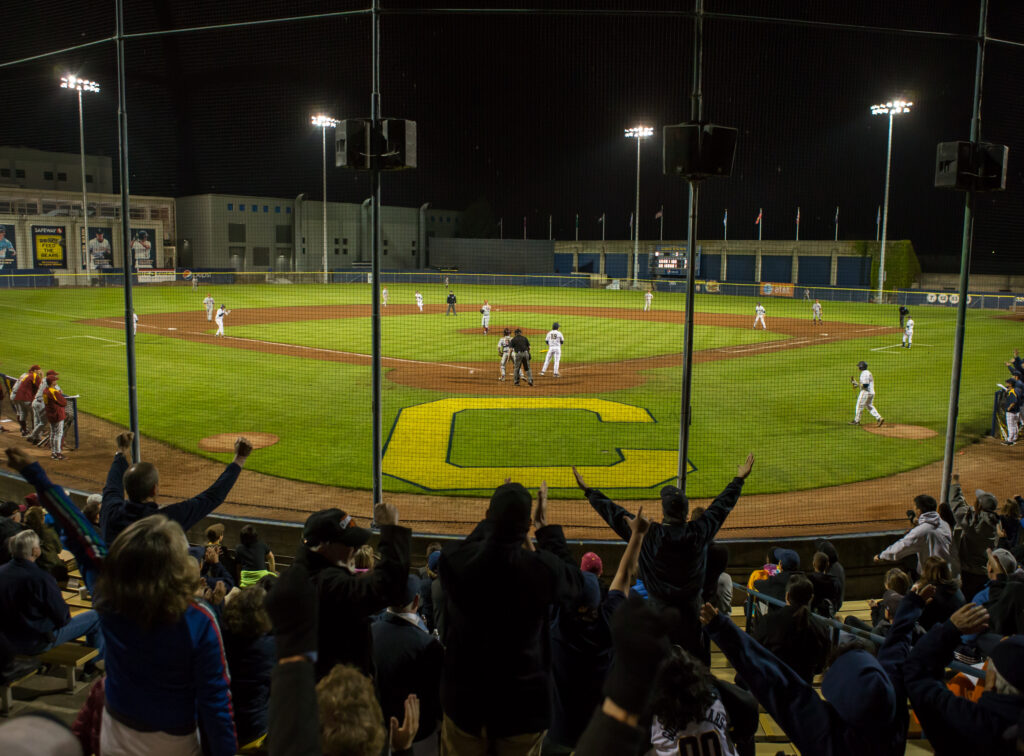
(698, 150)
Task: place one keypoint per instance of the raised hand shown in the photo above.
(744, 470)
(638, 525)
(579, 479)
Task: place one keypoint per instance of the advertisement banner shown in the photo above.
(157, 275)
(8, 247)
(712, 287)
(49, 247)
(142, 248)
(99, 251)
(777, 289)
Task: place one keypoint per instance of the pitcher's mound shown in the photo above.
(225, 442)
(895, 430)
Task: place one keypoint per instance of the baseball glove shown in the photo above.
(853, 381)
(481, 310)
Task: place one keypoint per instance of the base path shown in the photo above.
(478, 378)
(867, 506)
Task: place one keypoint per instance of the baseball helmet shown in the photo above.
(519, 330)
(862, 365)
(507, 332)
(143, 235)
(555, 326)
(3, 229)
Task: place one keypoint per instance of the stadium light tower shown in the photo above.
(70, 81)
(637, 133)
(324, 122)
(892, 108)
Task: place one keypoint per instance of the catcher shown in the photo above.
(505, 350)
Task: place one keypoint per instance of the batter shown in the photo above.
(554, 340)
(866, 397)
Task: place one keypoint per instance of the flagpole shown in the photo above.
(798, 222)
(501, 228)
(878, 223)
(549, 226)
(604, 217)
(661, 230)
(837, 222)
(725, 225)
(577, 226)
(760, 222)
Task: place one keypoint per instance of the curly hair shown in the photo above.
(683, 691)
(148, 577)
(351, 721)
(246, 614)
(365, 559)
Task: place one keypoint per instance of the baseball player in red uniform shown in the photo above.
(24, 393)
(55, 414)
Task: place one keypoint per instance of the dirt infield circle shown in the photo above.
(895, 430)
(225, 442)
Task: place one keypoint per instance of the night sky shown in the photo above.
(524, 114)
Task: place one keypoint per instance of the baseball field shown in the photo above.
(293, 366)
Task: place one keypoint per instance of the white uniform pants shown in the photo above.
(505, 357)
(554, 356)
(220, 328)
(647, 305)
(485, 321)
(760, 319)
(420, 305)
(866, 401)
(209, 313)
(908, 339)
(1011, 426)
(56, 436)
(39, 418)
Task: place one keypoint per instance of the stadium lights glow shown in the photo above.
(324, 122)
(891, 108)
(82, 85)
(639, 132)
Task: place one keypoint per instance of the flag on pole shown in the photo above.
(760, 214)
(837, 214)
(660, 213)
(631, 221)
(798, 215)
(725, 218)
(878, 216)
(601, 219)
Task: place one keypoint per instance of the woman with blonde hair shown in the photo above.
(49, 541)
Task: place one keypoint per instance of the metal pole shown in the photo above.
(696, 112)
(126, 235)
(661, 229)
(636, 217)
(549, 227)
(323, 160)
(878, 223)
(966, 243)
(85, 206)
(378, 492)
(798, 224)
(885, 215)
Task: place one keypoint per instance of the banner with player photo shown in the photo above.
(142, 248)
(100, 253)
(49, 247)
(8, 246)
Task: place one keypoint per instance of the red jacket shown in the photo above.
(55, 404)
(29, 386)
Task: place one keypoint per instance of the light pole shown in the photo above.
(82, 85)
(324, 122)
(637, 133)
(891, 109)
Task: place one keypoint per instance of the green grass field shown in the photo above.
(791, 407)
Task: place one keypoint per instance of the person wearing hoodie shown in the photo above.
(673, 557)
(930, 536)
(1003, 594)
(499, 589)
(860, 708)
(955, 725)
(835, 568)
(979, 525)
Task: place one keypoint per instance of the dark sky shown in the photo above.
(526, 112)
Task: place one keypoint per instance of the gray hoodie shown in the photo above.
(977, 529)
(929, 537)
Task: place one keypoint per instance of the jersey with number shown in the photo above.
(759, 310)
(909, 328)
(707, 737)
(554, 339)
(867, 381)
(816, 309)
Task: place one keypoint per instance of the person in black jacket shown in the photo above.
(408, 661)
(348, 599)
(521, 357)
(141, 481)
(835, 567)
(903, 314)
(674, 554)
(451, 304)
(793, 634)
(249, 648)
(10, 515)
(498, 590)
(827, 588)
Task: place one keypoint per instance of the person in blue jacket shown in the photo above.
(167, 679)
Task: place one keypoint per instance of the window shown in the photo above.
(231, 206)
(283, 234)
(241, 208)
(277, 208)
(414, 243)
(335, 239)
(261, 256)
(5, 172)
(160, 213)
(109, 211)
(49, 208)
(287, 211)
(266, 209)
(62, 177)
(344, 242)
(255, 208)
(88, 178)
(236, 233)
(19, 173)
(26, 208)
(335, 250)
(47, 175)
(137, 213)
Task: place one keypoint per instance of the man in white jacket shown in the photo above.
(930, 536)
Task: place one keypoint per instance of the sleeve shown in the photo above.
(187, 513)
(961, 512)
(707, 525)
(903, 547)
(795, 705)
(57, 610)
(384, 584)
(213, 686)
(293, 721)
(113, 491)
(610, 512)
(896, 648)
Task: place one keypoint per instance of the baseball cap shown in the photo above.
(510, 507)
(1008, 658)
(592, 563)
(34, 367)
(986, 501)
(674, 502)
(333, 526)
(788, 559)
(412, 590)
(1007, 562)
(433, 561)
(891, 601)
(862, 365)
(52, 372)
(52, 377)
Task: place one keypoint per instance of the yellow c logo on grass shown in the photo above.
(417, 451)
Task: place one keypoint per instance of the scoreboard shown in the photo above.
(670, 260)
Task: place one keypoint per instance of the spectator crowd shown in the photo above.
(503, 643)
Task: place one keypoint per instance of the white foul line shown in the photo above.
(95, 338)
(894, 346)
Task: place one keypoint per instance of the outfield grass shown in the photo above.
(791, 407)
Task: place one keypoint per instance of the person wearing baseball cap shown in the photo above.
(958, 725)
(23, 393)
(673, 558)
(55, 402)
(347, 600)
(979, 525)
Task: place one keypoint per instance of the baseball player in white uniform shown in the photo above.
(384, 295)
(505, 350)
(209, 304)
(759, 313)
(866, 397)
(39, 424)
(908, 334)
(419, 301)
(485, 317)
(554, 340)
(219, 317)
(648, 297)
(135, 323)
(816, 312)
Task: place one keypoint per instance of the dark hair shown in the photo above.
(60, 573)
(432, 547)
(697, 512)
(820, 561)
(800, 594)
(851, 645)
(91, 512)
(8, 508)
(246, 615)
(248, 535)
(925, 503)
(897, 580)
(683, 691)
(946, 513)
(936, 571)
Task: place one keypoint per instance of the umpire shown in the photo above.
(521, 357)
